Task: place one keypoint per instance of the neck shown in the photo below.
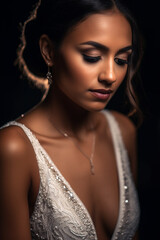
(66, 115)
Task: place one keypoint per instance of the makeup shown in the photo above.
(101, 94)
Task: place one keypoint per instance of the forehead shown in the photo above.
(108, 28)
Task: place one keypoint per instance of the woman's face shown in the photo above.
(93, 60)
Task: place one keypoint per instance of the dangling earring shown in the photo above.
(49, 76)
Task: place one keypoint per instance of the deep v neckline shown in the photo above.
(71, 192)
(66, 183)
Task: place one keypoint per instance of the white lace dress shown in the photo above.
(59, 214)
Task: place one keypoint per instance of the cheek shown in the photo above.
(75, 71)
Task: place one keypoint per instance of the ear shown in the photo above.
(46, 48)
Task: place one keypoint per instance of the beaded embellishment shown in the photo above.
(59, 214)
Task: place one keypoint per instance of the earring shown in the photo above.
(49, 76)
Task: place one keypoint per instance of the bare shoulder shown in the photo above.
(126, 125)
(129, 135)
(13, 141)
(15, 151)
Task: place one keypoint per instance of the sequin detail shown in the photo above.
(129, 211)
(59, 214)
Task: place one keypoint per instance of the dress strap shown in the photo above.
(121, 157)
(115, 130)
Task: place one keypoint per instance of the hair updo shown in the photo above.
(57, 17)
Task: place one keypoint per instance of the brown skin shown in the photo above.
(72, 108)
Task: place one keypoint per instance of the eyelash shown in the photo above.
(121, 62)
(89, 59)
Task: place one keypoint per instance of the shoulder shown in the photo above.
(127, 127)
(15, 149)
(12, 141)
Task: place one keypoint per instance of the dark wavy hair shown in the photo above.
(56, 18)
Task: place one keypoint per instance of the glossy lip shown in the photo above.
(102, 94)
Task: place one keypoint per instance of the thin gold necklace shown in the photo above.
(90, 158)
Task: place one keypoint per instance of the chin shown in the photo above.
(97, 107)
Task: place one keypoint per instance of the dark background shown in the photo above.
(17, 96)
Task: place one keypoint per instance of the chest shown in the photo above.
(76, 196)
(100, 192)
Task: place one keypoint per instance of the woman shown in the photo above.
(65, 165)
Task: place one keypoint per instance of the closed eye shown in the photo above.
(121, 62)
(91, 59)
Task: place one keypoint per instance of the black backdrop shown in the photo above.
(17, 96)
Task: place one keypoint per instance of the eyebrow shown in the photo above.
(104, 48)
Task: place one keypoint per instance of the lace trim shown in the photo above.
(42, 197)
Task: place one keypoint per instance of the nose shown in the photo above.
(107, 74)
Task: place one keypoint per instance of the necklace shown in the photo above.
(90, 158)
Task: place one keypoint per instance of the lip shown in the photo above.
(102, 94)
